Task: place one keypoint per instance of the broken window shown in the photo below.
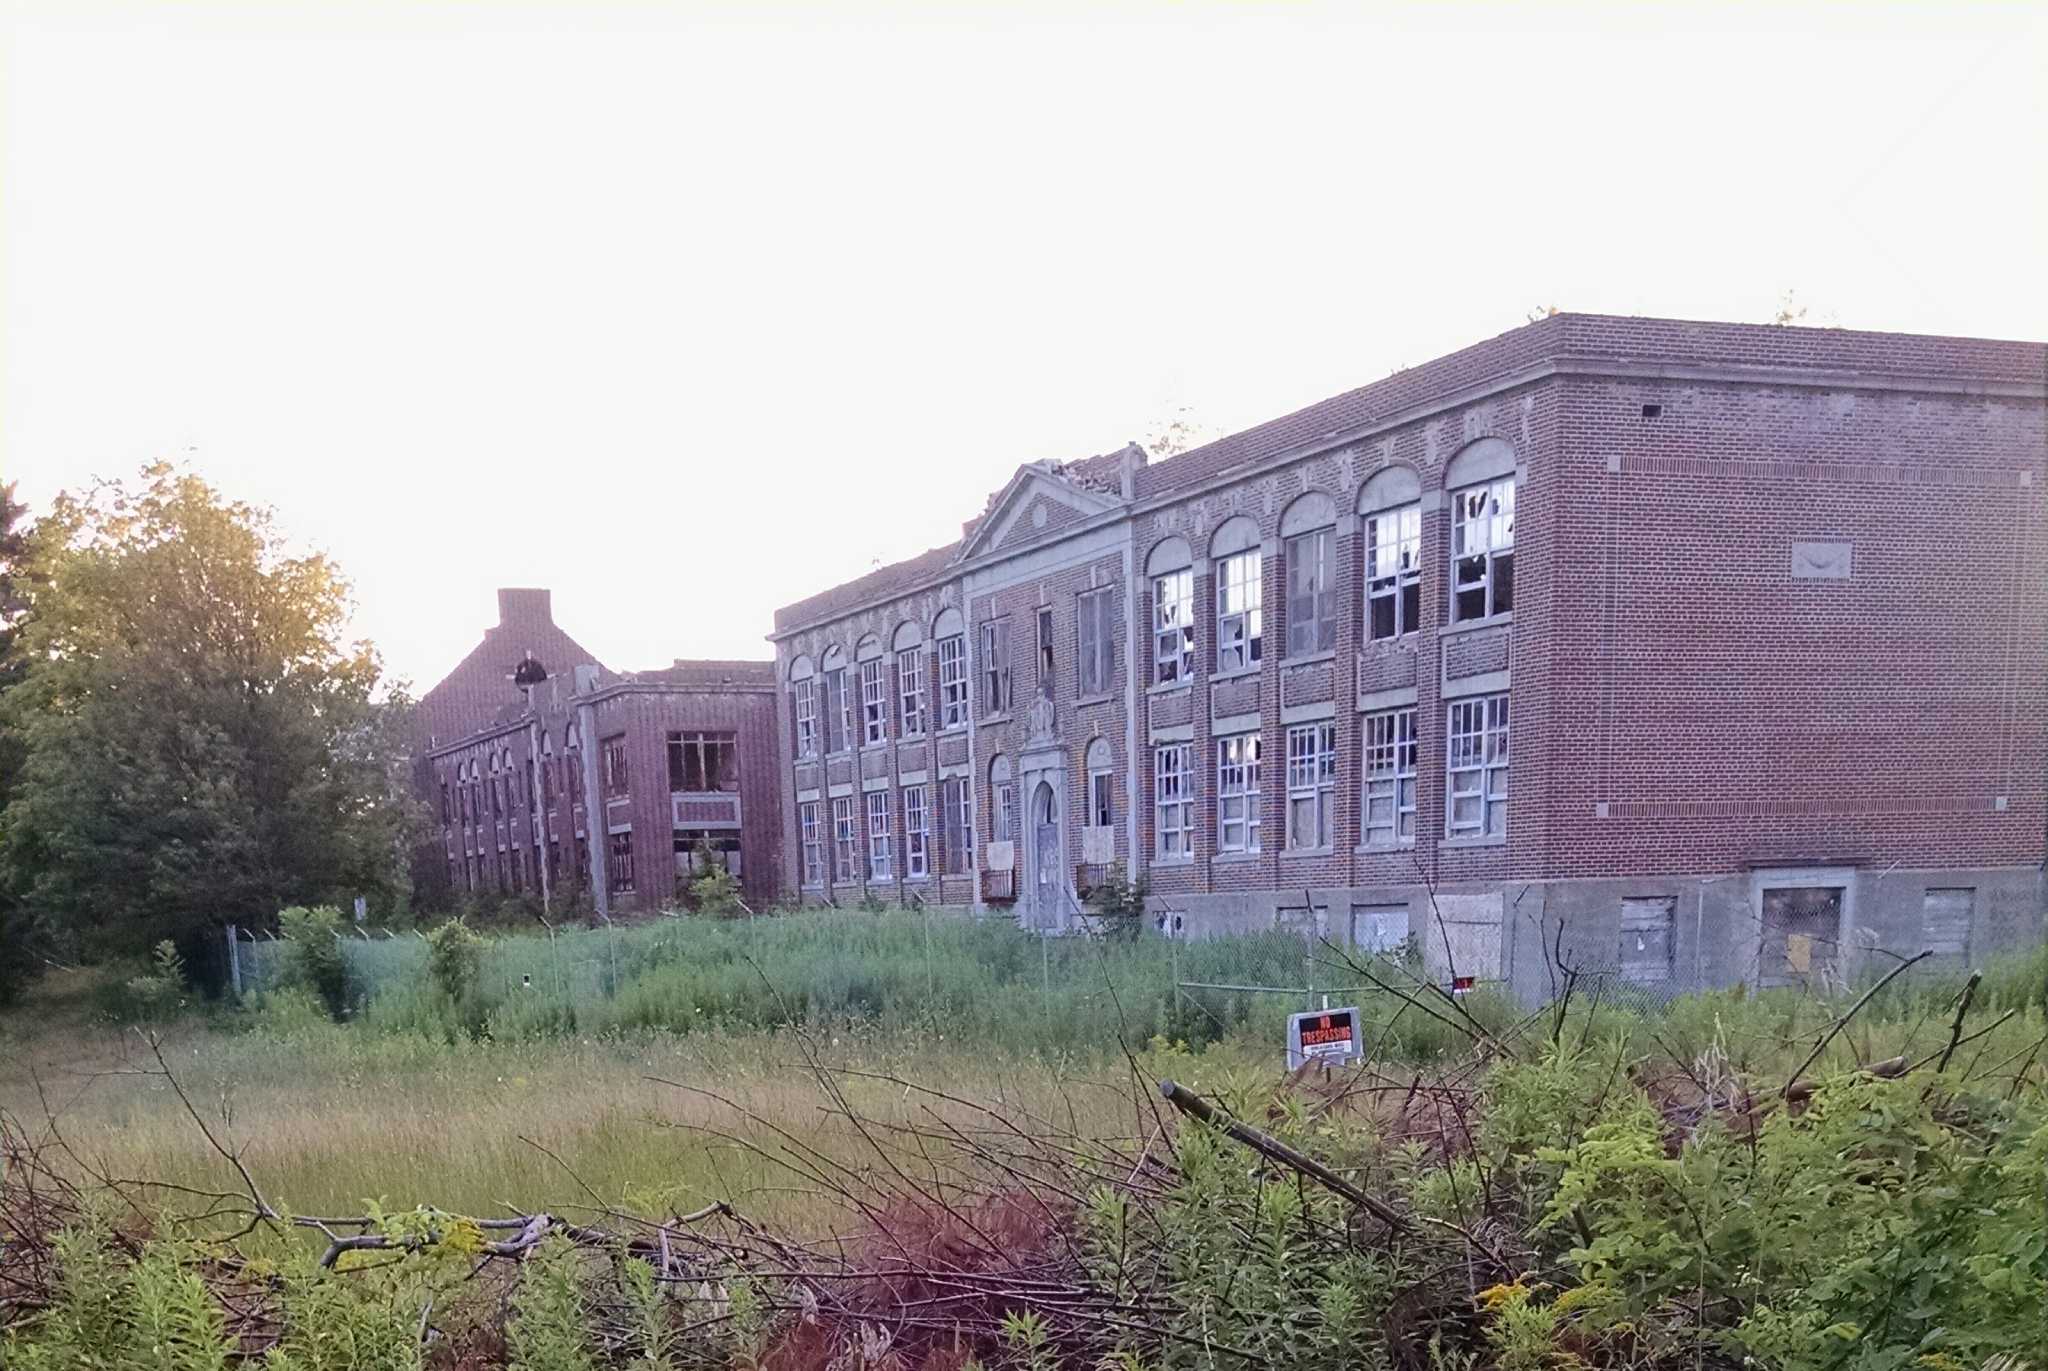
(952, 682)
(1312, 593)
(1237, 793)
(874, 704)
(910, 683)
(1176, 826)
(1173, 624)
(1095, 642)
(956, 796)
(615, 781)
(1045, 651)
(995, 667)
(1476, 746)
(916, 834)
(1483, 550)
(1003, 797)
(699, 850)
(1311, 784)
(814, 852)
(1389, 777)
(1101, 783)
(1646, 939)
(880, 861)
(845, 839)
(1802, 935)
(1238, 595)
(703, 761)
(807, 718)
(619, 863)
(1393, 572)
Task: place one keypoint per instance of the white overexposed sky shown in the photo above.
(690, 310)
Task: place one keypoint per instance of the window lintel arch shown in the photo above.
(1389, 488)
(1236, 534)
(1482, 459)
(908, 635)
(868, 649)
(1309, 512)
(949, 624)
(803, 668)
(1100, 757)
(1168, 555)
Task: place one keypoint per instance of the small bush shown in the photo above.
(314, 958)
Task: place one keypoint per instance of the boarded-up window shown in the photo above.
(1945, 918)
(1646, 939)
(1311, 924)
(1802, 935)
(1379, 928)
(1461, 938)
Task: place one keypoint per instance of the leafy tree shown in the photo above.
(200, 745)
(17, 959)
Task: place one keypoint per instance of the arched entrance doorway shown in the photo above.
(1046, 866)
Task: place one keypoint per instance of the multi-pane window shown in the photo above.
(1173, 627)
(879, 856)
(1238, 594)
(1389, 768)
(1174, 796)
(995, 666)
(619, 863)
(845, 839)
(1094, 641)
(814, 848)
(1312, 593)
(917, 830)
(1393, 572)
(1483, 550)
(1101, 798)
(807, 718)
(1476, 745)
(1006, 811)
(1045, 650)
(956, 799)
(703, 761)
(1311, 784)
(910, 677)
(952, 682)
(874, 702)
(615, 782)
(838, 712)
(1237, 793)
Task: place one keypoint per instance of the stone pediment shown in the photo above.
(1035, 504)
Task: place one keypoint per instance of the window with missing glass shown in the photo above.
(1393, 572)
(1174, 821)
(1237, 793)
(881, 857)
(952, 682)
(1389, 769)
(703, 761)
(813, 844)
(1311, 784)
(1095, 641)
(1238, 596)
(845, 839)
(1476, 748)
(910, 681)
(1311, 593)
(1483, 550)
(1173, 627)
(916, 834)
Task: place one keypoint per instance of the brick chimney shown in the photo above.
(517, 606)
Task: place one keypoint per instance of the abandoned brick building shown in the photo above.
(1764, 612)
(682, 761)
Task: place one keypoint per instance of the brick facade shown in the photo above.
(1779, 604)
(476, 772)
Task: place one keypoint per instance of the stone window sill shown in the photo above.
(1293, 852)
(1406, 642)
(1086, 700)
(1186, 683)
(1236, 673)
(1172, 863)
(1237, 858)
(1000, 717)
(1384, 849)
(875, 747)
(1475, 840)
(1474, 625)
(1311, 658)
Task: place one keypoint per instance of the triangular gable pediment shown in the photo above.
(1034, 504)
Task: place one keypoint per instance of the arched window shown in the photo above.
(803, 704)
(1391, 506)
(1309, 530)
(949, 639)
(1003, 799)
(1481, 482)
(838, 708)
(908, 645)
(1171, 566)
(1240, 592)
(1101, 783)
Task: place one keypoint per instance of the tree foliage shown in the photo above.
(199, 743)
(16, 957)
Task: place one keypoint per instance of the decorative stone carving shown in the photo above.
(1041, 721)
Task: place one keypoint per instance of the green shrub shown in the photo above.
(314, 959)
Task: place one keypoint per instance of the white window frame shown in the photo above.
(1483, 547)
(910, 683)
(1006, 811)
(881, 865)
(1393, 571)
(813, 848)
(953, 682)
(845, 839)
(1312, 784)
(1094, 641)
(835, 691)
(1173, 626)
(1237, 793)
(874, 703)
(1476, 767)
(916, 834)
(1173, 799)
(1387, 761)
(957, 792)
(1312, 593)
(995, 667)
(1240, 593)
(1102, 798)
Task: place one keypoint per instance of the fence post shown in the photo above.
(234, 962)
